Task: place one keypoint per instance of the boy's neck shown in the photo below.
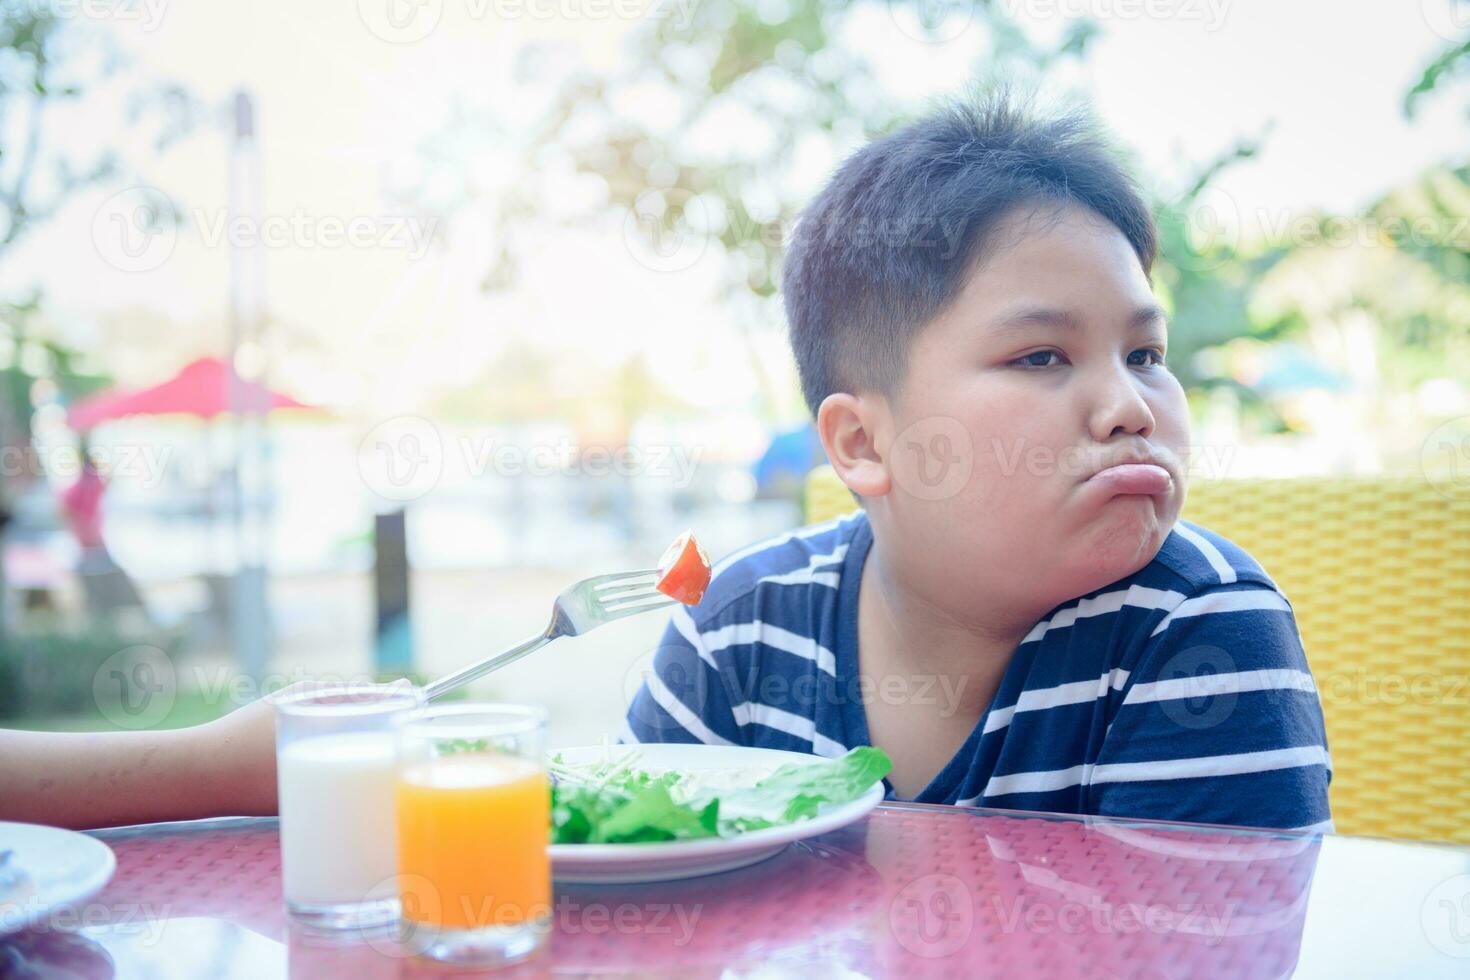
(925, 635)
(932, 674)
(907, 634)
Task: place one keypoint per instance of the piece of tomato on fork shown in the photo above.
(684, 570)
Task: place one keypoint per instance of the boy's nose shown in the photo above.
(1120, 409)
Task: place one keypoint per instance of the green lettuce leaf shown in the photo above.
(617, 803)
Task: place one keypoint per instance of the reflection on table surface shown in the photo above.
(912, 890)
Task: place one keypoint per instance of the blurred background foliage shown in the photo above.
(784, 72)
(48, 67)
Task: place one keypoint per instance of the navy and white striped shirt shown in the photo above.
(1180, 692)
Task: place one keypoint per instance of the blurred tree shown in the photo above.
(1452, 61)
(1427, 310)
(34, 80)
(1206, 273)
(34, 181)
(1431, 215)
(47, 65)
(707, 142)
(729, 119)
(526, 384)
(1430, 221)
(1404, 261)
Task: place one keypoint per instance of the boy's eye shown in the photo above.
(1029, 360)
(1152, 357)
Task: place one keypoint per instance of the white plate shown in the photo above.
(601, 864)
(62, 868)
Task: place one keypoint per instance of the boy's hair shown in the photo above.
(891, 240)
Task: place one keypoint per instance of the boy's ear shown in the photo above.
(849, 427)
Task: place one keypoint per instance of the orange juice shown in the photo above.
(472, 835)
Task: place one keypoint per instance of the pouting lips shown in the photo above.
(1142, 478)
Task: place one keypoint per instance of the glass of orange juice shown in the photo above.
(474, 809)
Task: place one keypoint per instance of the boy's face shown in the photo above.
(1036, 408)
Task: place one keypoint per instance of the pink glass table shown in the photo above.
(912, 891)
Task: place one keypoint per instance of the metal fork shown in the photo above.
(582, 607)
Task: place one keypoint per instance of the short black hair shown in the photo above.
(891, 240)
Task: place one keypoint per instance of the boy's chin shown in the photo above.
(1119, 545)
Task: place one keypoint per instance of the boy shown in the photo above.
(1016, 614)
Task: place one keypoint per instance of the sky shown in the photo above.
(383, 320)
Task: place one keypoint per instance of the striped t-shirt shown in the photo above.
(1180, 692)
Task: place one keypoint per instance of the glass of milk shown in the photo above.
(335, 772)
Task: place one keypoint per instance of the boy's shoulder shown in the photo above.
(812, 556)
(1194, 559)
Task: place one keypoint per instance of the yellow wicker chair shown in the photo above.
(1378, 572)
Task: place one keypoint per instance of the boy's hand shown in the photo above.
(240, 753)
(104, 779)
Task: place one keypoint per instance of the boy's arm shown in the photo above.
(224, 768)
(1220, 721)
(684, 697)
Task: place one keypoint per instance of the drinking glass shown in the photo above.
(335, 773)
(474, 811)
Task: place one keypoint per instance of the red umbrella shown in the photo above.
(202, 388)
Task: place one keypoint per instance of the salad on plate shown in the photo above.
(614, 800)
